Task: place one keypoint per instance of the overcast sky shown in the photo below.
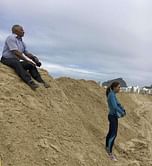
(91, 39)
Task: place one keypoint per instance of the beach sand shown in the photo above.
(66, 124)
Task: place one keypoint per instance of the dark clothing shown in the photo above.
(23, 69)
(113, 128)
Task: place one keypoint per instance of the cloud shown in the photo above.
(73, 71)
(3, 35)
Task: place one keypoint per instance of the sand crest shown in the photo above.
(66, 124)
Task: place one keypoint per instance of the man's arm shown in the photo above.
(29, 55)
(23, 57)
(34, 58)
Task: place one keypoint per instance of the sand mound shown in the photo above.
(66, 124)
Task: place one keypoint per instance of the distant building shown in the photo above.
(148, 87)
(122, 82)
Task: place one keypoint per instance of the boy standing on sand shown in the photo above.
(116, 111)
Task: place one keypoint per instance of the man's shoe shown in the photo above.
(33, 85)
(46, 85)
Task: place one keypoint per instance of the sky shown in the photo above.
(86, 39)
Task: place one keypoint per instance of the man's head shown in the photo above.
(18, 30)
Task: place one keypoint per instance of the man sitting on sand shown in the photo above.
(17, 57)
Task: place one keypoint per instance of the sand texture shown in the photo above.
(66, 124)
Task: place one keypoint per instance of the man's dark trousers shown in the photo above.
(23, 69)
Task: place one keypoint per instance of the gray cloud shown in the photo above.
(103, 39)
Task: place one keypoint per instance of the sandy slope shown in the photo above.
(66, 124)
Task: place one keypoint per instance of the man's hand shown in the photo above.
(36, 60)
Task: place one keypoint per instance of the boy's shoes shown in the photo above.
(110, 155)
